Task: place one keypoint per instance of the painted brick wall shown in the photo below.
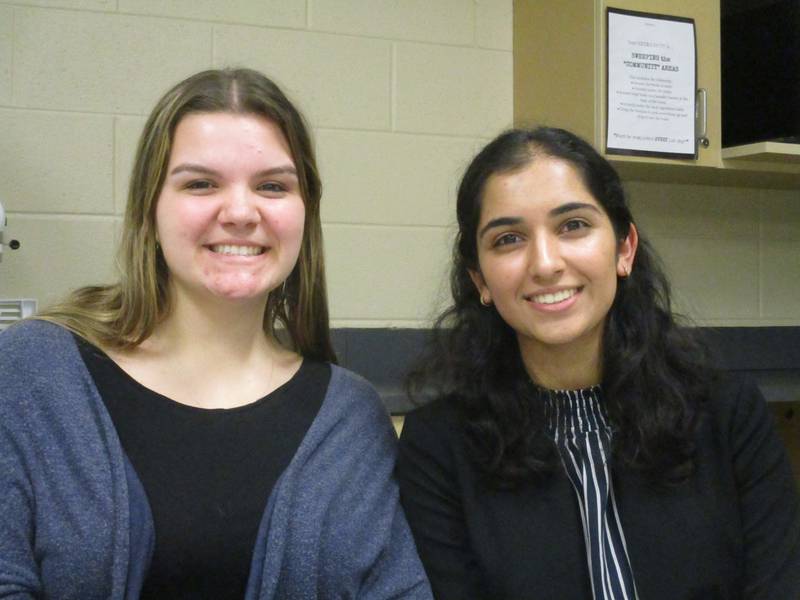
(399, 93)
(733, 253)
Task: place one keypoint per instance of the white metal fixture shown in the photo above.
(13, 310)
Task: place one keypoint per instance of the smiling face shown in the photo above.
(230, 214)
(548, 256)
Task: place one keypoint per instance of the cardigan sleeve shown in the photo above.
(19, 573)
(430, 494)
(380, 538)
(768, 499)
(65, 514)
(334, 527)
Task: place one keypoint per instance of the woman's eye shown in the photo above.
(574, 225)
(506, 239)
(272, 187)
(201, 184)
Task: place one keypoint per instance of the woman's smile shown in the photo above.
(237, 250)
(554, 301)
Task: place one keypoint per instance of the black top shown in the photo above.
(732, 531)
(207, 472)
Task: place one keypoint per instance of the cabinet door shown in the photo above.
(706, 15)
(560, 66)
(555, 77)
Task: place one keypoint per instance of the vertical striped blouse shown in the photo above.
(579, 425)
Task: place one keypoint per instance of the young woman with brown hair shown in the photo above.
(184, 432)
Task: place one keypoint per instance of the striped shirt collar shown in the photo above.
(571, 412)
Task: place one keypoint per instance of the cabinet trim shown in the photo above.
(766, 151)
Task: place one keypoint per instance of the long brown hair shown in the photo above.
(124, 314)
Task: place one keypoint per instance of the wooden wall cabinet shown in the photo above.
(560, 79)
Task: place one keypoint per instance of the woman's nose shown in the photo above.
(545, 260)
(239, 208)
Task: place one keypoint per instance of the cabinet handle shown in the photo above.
(701, 117)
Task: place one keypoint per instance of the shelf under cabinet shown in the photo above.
(764, 151)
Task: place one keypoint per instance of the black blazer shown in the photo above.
(731, 531)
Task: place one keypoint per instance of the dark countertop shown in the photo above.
(770, 355)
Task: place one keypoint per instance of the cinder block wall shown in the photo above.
(733, 253)
(399, 93)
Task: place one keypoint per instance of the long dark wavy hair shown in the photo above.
(655, 371)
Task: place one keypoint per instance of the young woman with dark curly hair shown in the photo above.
(581, 445)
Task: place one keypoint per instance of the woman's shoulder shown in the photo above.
(351, 395)
(439, 412)
(351, 385)
(736, 409)
(730, 393)
(41, 367)
(32, 331)
(436, 424)
(351, 424)
(34, 341)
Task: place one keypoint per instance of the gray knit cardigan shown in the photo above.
(74, 519)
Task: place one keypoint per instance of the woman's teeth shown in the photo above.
(554, 298)
(237, 250)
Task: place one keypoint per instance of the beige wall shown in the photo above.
(399, 93)
(733, 253)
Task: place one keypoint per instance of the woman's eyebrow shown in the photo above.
(203, 170)
(570, 206)
(193, 168)
(285, 170)
(499, 222)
